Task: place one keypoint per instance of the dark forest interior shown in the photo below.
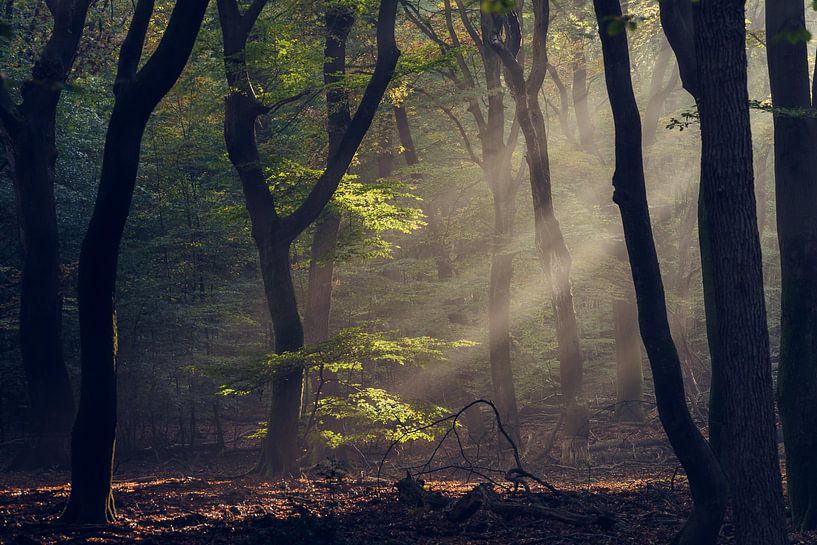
(386, 272)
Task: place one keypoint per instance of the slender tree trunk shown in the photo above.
(549, 239)
(706, 481)
(795, 162)
(659, 92)
(742, 340)
(137, 92)
(339, 22)
(629, 376)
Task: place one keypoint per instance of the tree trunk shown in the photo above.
(339, 22)
(629, 377)
(51, 399)
(706, 481)
(742, 342)
(28, 134)
(795, 162)
(281, 444)
(549, 239)
(137, 94)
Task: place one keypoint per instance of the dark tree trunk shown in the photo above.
(741, 343)
(274, 234)
(28, 134)
(339, 22)
(795, 162)
(137, 93)
(706, 481)
(629, 376)
(549, 239)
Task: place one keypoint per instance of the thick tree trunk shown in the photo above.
(706, 481)
(281, 444)
(795, 162)
(741, 343)
(28, 134)
(137, 94)
(629, 376)
(32, 154)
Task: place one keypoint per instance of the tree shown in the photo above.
(274, 234)
(795, 167)
(339, 20)
(495, 162)
(549, 239)
(27, 130)
(138, 91)
(706, 481)
(741, 345)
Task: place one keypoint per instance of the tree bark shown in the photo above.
(795, 167)
(742, 342)
(27, 131)
(706, 481)
(137, 93)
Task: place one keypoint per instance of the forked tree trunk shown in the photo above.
(275, 234)
(706, 481)
(138, 92)
(549, 239)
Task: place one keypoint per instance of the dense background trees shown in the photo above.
(323, 244)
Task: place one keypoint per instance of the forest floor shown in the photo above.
(642, 496)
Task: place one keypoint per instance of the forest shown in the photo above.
(397, 272)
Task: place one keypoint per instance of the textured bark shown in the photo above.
(706, 481)
(27, 131)
(274, 234)
(795, 166)
(742, 342)
(137, 93)
(629, 376)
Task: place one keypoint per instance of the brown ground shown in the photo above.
(192, 502)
